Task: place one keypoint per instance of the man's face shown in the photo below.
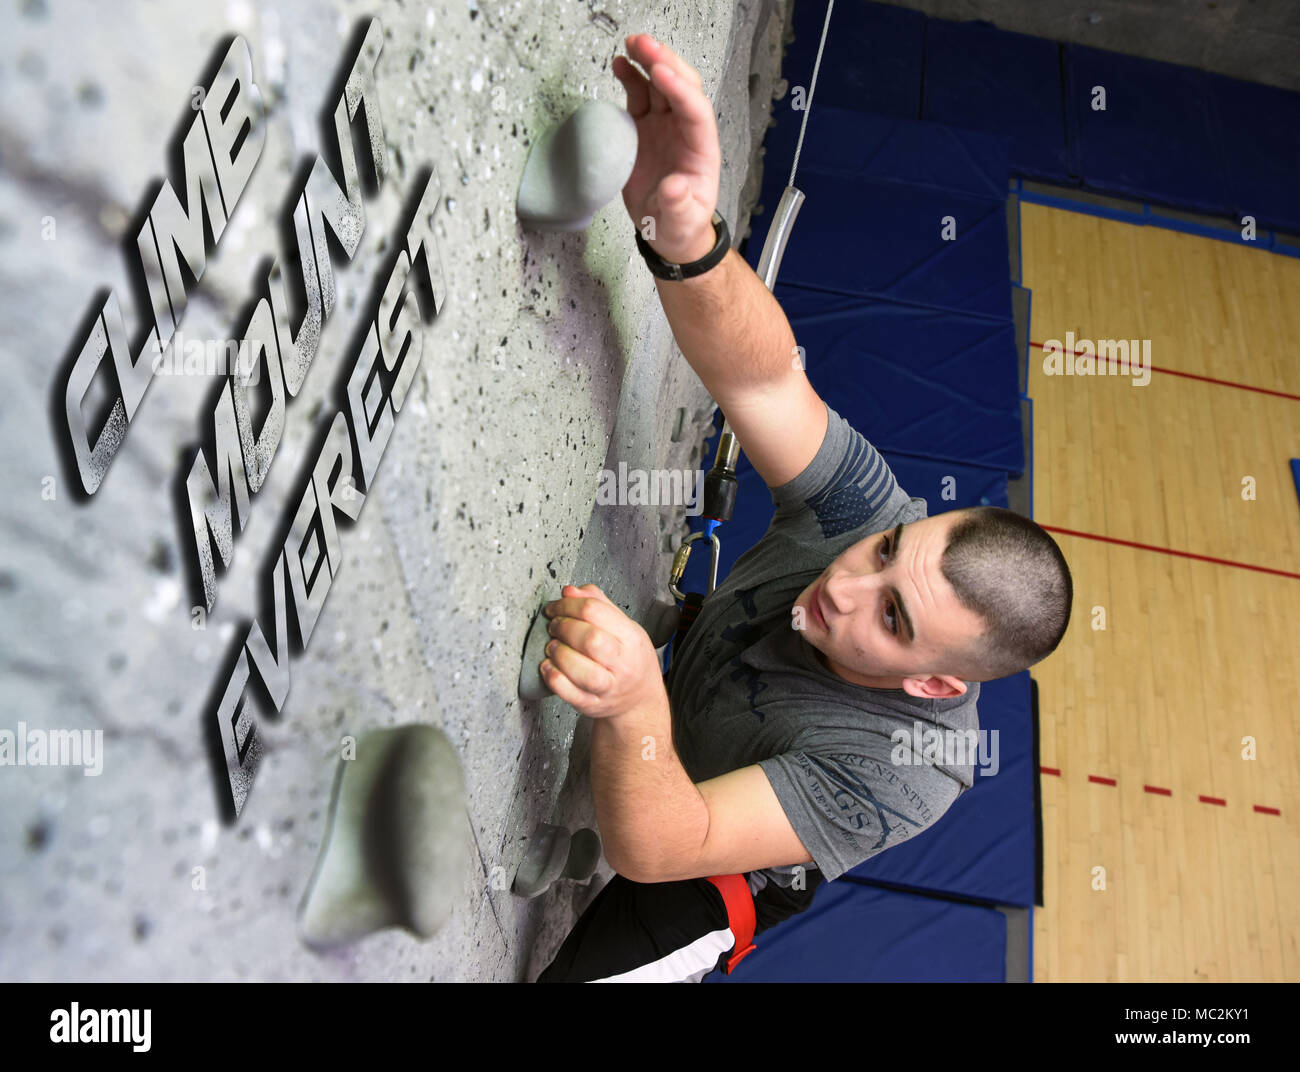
(883, 614)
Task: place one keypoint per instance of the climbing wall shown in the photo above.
(548, 361)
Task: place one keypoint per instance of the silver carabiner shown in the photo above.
(683, 556)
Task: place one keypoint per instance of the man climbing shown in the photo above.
(763, 764)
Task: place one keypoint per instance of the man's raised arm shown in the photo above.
(728, 325)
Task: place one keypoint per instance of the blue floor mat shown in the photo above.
(857, 933)
(983, 847)
(881, 239)
(948, 485)
(914, 380)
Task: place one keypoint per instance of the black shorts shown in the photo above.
(663, 931)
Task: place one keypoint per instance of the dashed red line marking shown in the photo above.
(1161, 791)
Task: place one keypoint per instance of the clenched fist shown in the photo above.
(678, 159)
(600, 661)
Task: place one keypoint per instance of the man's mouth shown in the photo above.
(814, 605)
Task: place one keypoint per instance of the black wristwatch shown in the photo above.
(667, 270)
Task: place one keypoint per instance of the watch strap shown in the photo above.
(668, 270)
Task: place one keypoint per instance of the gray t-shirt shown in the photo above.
(747, 688)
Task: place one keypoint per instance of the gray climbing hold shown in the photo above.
(395, 852)
(577, 167)
(661, 622)
(584, 855)
(543, 861)
(531, 684)
(553, 854)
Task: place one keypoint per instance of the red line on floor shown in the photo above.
(1191, 376)
(1161, 791)
(1171, 551)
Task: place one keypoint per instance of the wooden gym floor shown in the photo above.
(1145, 721)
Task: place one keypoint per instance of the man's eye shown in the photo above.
(891, 618)
(884, 549)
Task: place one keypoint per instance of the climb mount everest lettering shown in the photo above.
(220, 149)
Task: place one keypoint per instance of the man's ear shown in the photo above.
(934, 687)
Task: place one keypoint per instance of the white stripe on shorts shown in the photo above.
(690, 963)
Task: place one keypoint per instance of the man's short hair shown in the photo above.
(1009, 571)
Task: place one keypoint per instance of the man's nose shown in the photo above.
(847, 590)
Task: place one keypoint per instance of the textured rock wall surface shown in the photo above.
(550, 361)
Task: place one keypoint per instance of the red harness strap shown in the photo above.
(740, 915)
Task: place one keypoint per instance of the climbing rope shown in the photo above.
(830, 6)
(720, 484)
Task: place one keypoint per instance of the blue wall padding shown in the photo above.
(856, 933)
(1170, 135)
(1156, 141)
(872, 60)
(1295, 474)
(928, 156)
(916, 380)
(843, 149)
(871, 239)
(983, 78)
(1260, 128)
(983, 846)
